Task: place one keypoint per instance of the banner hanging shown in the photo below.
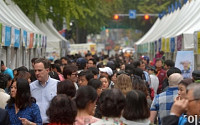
(172, 45)
(0, 33)
(7, 36)
(17, 38)
(198, 42)
(179, 43)
(25, 39)
(31, 40)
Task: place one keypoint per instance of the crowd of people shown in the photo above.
(117, 90)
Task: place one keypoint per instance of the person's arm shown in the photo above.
(152, 116)
(154, 109)
(4, 117)
(36, 114)
(26, 122)
(178, 108)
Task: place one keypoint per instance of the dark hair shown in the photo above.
(62, 110)
(23, 96)
(139, 72)
(100, 65)
(3, 81)
(139, 84)
(66, 87)
(129, 69)
(103, 76)
(65, 58)
(111, 64)
(169, 63)
(95, 83)
(2, 63)
(69, 69)
(54, 75)
(93, 60)
(137, 63)
(22, 68)
(88, 74)
(57, 67)
(88, 54)
(58, 61)
(84, 95)
(81, 63)
(44, 61)
(33, 60)
(94, 70)
(159, 59)
(23, 74)
(136, 107)
(173, 70)
(186, 82)
(196, 75)
(112, 102)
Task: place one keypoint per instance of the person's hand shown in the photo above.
(179, 107)
(25, 121)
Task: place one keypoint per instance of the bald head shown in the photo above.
(175, 79)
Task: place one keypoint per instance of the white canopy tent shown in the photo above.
(182, 21)
(22, 17)
(12, 16)
(53, 42)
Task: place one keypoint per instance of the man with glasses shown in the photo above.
(191, 106)
(70, 73)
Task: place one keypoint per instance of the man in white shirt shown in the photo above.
(44, 88)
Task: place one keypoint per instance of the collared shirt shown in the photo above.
(85, 120)
(44, 95)
(31, 113)
(135, 122)
(109, 121)
(4, 98)
(163, 102)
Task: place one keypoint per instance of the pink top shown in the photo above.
(85, 120)
(61, 77)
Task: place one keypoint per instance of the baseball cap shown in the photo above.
(108, 70)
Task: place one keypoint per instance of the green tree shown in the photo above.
(90, 15)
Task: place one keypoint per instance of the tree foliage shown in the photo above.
(91, 15)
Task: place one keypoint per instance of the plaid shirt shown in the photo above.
(163, 102)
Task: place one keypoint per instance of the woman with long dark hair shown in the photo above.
(85, 99)
(136, 110)
(21, 107)
(62, 110)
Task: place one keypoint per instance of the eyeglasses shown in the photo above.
(193, 100)
(75, 74)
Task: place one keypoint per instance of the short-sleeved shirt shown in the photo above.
(31, 113)
(44, 95)
(163, 102)
(9, 72)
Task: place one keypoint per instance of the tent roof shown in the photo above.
(22, 17)
(182, 21)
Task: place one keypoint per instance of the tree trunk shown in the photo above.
(81, 35)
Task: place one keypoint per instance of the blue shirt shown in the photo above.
(182, 120)
(44, 95)
(163, 102)
(146, 74)
(9, 72)
(31, 113)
